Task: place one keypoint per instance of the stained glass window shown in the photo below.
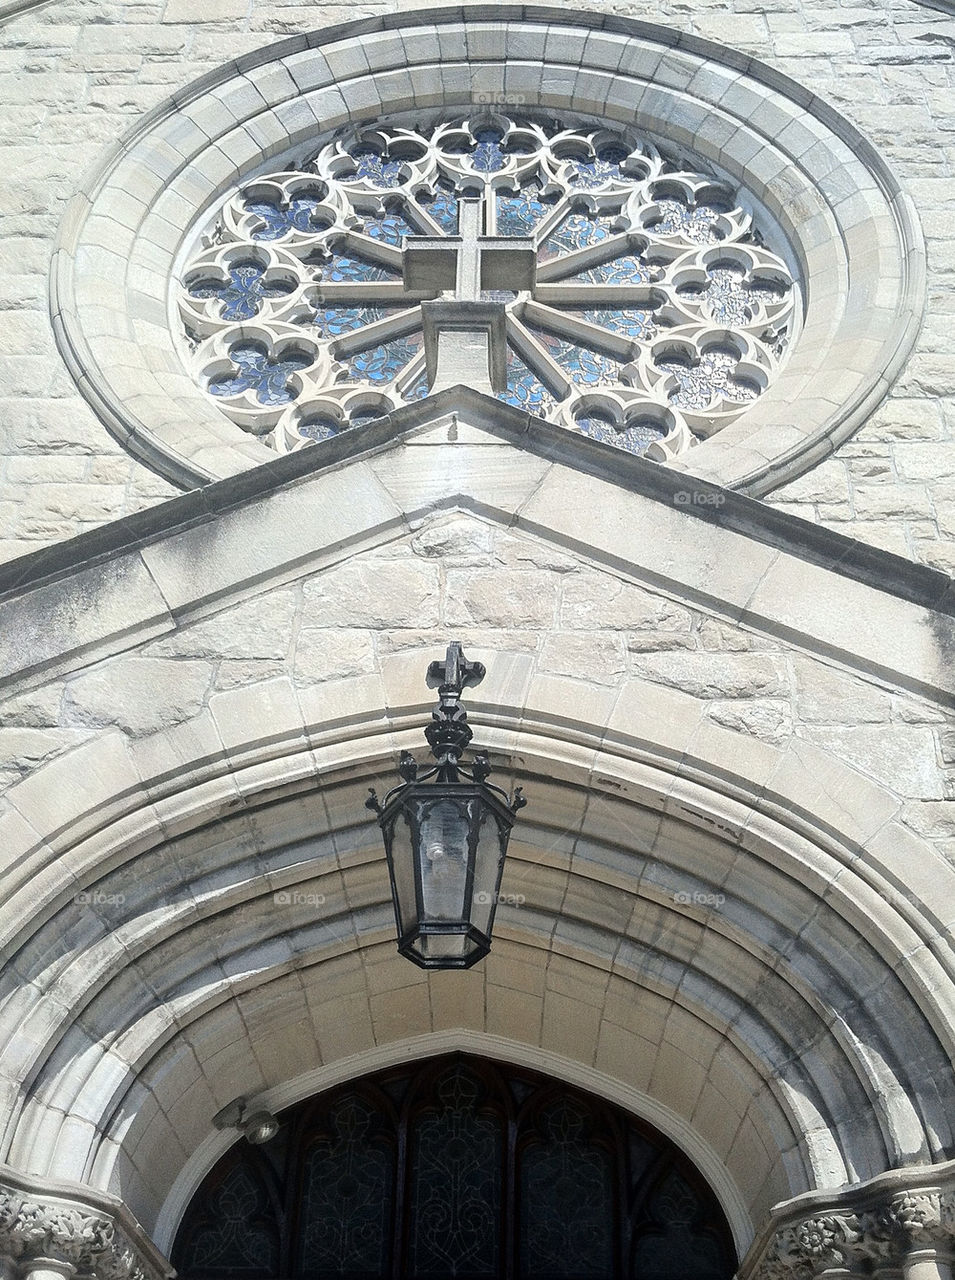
(236, 1229)
(567, 1204)
(242, 293)
(267, 378)
(656, 300)
(347, 1195)
(455, 1167)
(456, 1172)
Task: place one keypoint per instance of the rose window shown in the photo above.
(575, 274)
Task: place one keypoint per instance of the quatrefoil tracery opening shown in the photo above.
(654, 317)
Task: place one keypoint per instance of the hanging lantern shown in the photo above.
(446, 831)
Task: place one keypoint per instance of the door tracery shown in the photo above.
(456, 1167)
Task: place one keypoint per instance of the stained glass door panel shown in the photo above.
(456, 1168)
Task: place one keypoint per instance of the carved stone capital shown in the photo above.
(78, 1229)
(814, 1244)
(922, 1218)
(872, 1226)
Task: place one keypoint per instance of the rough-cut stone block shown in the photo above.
(378, 593)
(326, 654)
(589, 601)
(902, 758)
(499, 599)
(138, 695)
(597, 657)
(827, 696)
(712, 675)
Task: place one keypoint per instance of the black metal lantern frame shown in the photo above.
(446, 831)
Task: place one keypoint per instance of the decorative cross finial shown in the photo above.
(455, 672)
(449, 732)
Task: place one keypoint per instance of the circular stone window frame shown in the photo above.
(853, 230)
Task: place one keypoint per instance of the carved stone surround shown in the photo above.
(885, 1226)
(45, 1226)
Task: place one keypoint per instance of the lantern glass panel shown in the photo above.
(487, 871)
(445, 850)
(403, 872)
(435, 947)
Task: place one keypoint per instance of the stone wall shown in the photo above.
(74, 75)
(506, 594)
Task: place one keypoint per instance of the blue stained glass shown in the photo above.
(524, 389)
(488, 155)
(688, 209)
(374, 168)
(300, 215)
(696, 223)
(518, 215)
(243, 293)
(320, 426)
(635, 324)
(443, 207)
(419, 388)
(365, 415)
(268, 378)
(728, 297)
(629, 268)
(334, 321)
(710, 378)
(383, 363)
(576, 232)
(582, 365)
(605, 167)
(635, 437)
(349, 267)
(389, 227)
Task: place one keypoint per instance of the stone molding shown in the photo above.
(135, 579)
(877, 1225)
(853, 229)
(76, 1230)
(17, 8)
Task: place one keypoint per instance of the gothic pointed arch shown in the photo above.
(458, 1165)
(739, 1033)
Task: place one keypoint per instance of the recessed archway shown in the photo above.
(710, 950)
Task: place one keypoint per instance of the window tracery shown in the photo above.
(455, 1166)
(654, 317)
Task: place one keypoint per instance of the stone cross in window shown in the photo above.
(465, 333)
